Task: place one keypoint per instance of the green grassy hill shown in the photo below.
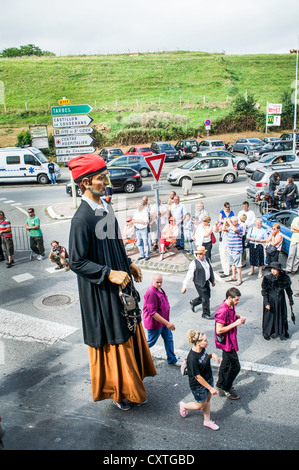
(195, 84)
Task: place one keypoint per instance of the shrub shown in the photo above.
(24, 138)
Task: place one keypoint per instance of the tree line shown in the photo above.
(28, 50)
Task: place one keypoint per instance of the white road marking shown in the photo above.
(159, 353)
(22, 277)
(21, 327)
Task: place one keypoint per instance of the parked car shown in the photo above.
(137, 162)
(259, 180)
(280, 146)
(245, 145)
(204, 170)
(239, 162)
(211, 144)
(270, 139)
(186, 148)
(171, 154)
(290, 136)
(272, 159)
(285, 219)
(109, 154)
(25, 164)
(122, 179)
(139, 150)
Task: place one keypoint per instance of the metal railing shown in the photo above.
(21, 239)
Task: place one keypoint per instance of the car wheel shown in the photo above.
(245, 150)
(79, 192)
(185, 178)
(43, 179)
(129, 187)
(229, 178)
(144, 172)
(241, 165)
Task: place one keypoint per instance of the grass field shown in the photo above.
(194, 84)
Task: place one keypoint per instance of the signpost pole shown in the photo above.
(267, 117)
(158, 217)
(295, 108)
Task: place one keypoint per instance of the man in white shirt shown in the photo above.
(178, 211)
(141, 222)
(293, 257)
(201, 272)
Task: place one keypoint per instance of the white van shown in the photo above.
(20, 164)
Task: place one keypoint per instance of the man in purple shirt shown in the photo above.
(156, 310)
(226, 322)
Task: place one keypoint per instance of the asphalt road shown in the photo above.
(45, 397)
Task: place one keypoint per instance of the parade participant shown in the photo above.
(235, 249)
(115, 337)
(59, 256)
(273, 244)
(293, 256)
(6, 239)
(226, 322)
(275, 314)
(156, 313)
(200, 376)
(257, 238)
(36, 238)
(223, 246)
(201, 272)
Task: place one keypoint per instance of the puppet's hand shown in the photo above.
(136, 272)
(119, 277)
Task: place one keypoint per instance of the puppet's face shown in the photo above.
(98, 184)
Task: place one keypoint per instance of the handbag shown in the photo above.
(213, 238)
(220, 337)
(270, 249)
(130, 311)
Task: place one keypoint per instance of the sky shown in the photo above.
(130, 26)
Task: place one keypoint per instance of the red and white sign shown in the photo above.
(274, 108)
(155, 162)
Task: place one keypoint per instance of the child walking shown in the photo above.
(200, 375)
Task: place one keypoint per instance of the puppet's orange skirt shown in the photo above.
(117, 371)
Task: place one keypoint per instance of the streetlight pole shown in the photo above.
(295, 108)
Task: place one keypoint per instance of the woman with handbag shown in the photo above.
(256, 237)
(201, 380)
(274, 245)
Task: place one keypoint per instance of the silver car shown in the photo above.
(204, 170)
(211, 144)
(272, 159)
(239, 162)
(259, 180)
(245, 145)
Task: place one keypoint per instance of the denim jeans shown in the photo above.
(52, 178)
(142, 242)
(152, 337)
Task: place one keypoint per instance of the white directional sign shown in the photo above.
(73, 141)
(73, 130)
(71, 121)
(75, 151)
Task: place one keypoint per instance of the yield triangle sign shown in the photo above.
(155, 162)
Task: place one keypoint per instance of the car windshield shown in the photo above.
(42, 158)
(144, 149)
(217, 143)
(116, 152)
(166, 147)
(266, 159)
(255, 140)
(190, 142)
(189, 164)
(257, 176)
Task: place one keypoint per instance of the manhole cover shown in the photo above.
(56, 300)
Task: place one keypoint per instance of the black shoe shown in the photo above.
(232, 395)
(192, 306)
(224, 275)
(207, 316)
(141, 257)
(122, 405)
(147, 258)
(9, 265)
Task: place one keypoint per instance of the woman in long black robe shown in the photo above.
(275, 319)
